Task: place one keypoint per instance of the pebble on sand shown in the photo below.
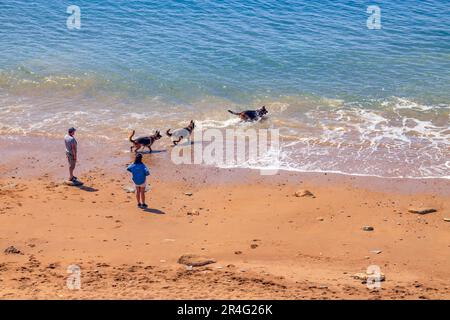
(193, 213)
(365, 276)
(422, 210)
(447, 219)
(195, 260)
(12, 250)
(129, 189)
(303, 193)
(368, 228)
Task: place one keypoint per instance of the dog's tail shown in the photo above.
(130, 137)
(232, 112)
(168, 133)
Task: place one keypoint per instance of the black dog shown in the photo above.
(251, 115)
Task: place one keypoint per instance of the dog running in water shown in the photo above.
(143, 141)
(251, 115)
(178, 134)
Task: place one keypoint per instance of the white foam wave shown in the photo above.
(403, 103)
(218, 124)
(330, 136)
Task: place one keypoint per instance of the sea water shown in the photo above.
(347, 96)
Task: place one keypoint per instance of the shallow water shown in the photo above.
(345, 98)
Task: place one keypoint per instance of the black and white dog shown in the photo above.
(178, 134)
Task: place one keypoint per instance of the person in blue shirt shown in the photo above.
(139, 175)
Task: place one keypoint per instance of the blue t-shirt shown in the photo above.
(139, 171)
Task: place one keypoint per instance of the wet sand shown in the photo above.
(266, 241)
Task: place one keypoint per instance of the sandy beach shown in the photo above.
(269, 239)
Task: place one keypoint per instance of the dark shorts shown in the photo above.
(71, 160)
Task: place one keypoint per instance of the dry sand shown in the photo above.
(267, 242)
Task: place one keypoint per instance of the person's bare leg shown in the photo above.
(71, 169)
(143, 195)
(138, 195)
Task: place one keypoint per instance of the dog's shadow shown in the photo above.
(185, 144)
(151, 152)
(154, 211)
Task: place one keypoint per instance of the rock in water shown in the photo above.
(422, 210)
(195, 260)
(12, 250)
(303, 193)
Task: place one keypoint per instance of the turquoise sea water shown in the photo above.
(345, 98)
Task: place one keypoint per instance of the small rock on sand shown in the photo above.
(368, 228)
(195, 260)
(422, 210)
(253, 246)
(303, 193)
(365, 276)
(188, 194)
(53, 265)
(9, 186)
(129, 189)
(193, 213)
(447, 219)
(12, 250)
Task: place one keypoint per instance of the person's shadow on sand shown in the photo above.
(80, 185)
(154, 211)
(87, 189)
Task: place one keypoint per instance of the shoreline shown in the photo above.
(267, 243)
(16, 148)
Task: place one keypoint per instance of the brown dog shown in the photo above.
(178, 134)
(251, 115)
(143, 141)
